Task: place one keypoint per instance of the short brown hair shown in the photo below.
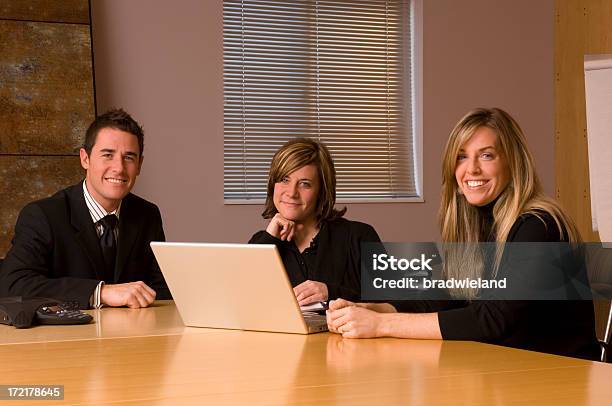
(118, 119)
(294, 155)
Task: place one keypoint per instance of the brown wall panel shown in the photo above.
(24, 179)
(571, 159)
(66, 11)
(602, 309)
(47, 87)
(581, 27)
(46, 101)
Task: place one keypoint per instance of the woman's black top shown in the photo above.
(552, 326)
(333, 257)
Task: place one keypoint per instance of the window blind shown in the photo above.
(338, 71)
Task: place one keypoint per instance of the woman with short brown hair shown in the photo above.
(320, 249)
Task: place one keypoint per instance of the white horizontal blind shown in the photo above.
(338, 71)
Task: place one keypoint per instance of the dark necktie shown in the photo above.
(109, 246)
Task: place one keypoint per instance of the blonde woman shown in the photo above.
(490, 193)
(320, 249)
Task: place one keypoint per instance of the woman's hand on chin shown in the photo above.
(281, 228)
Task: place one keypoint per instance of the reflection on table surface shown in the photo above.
(161, 318)
(159, 361)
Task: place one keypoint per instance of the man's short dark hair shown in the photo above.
(117, 119)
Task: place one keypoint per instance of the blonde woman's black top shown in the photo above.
(552, 326)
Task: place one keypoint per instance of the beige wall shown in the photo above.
(163, 61)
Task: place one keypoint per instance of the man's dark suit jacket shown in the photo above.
(56, 250)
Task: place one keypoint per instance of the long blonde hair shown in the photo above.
(461, 222)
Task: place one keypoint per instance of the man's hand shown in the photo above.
(310, 291)
(133, 295)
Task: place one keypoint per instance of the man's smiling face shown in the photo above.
(112, 166)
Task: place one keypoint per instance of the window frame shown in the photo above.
(416, 48)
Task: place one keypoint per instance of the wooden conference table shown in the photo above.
(146, 356)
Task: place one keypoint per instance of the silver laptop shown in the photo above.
(233, 286)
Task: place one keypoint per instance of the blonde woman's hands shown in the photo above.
(333, 306)
(352, 320)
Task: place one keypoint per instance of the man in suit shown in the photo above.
(90, 242)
